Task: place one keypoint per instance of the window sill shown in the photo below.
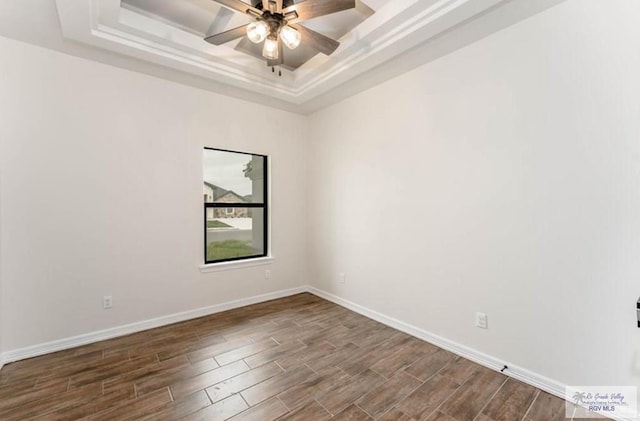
(217, 267)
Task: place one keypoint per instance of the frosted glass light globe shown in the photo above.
(257, 31)
(290, 37)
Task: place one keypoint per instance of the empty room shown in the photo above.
(393, 210)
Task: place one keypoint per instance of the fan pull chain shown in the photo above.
(273, 70)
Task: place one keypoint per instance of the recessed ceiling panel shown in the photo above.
(207, 17)
(195, 16)
(170, 33)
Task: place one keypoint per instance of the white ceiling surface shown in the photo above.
(167, 43)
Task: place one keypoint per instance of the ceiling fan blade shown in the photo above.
(310, 9)
(316, 40)
(226, 36)
(239, 6)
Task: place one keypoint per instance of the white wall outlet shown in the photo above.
(481, 321)
(107, 302)
(341, 278)
(267, 274)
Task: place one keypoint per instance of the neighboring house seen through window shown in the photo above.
(235, 208)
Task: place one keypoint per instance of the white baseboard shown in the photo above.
(551, 386)
(61, 344)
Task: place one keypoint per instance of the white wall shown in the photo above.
(502, 178)
(102, 194)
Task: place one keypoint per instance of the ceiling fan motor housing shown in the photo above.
(275, 21)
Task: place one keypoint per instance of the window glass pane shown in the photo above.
(232, 177)
(233, 236)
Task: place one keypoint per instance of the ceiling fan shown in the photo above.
(277, 23)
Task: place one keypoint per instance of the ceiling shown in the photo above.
(379, 39)
(206, 17)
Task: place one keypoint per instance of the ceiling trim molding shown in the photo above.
(395, 28)
(395, 37)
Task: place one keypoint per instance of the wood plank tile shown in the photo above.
(335, 358)
(304, 392)
(244, 352)
(439, 416)
(311, 411)
(472, 396)
(181, 408)
(546, 407)
(219, 411)
(348, 391)
(399, 360)
(511, 402)
(352, 413)
(295, 332)
(430, 364)
(35, 367)
(243, 381)
(16, 387)
(425, 399)
(135, 408)
(68, 366)
(51, 403)
(217, 349)
(150, 346)
(266, 411)
(24, 398)
(276, 385)
(273, 354)
(185, 387)
(178, 347)
(93, 404)
(145, 371)
(460, 370)
(356, 363)
(370, 338)
(388, 394)
(328, 334)
(395, 415)
(105, 371)
(310, 353)
(174, 375)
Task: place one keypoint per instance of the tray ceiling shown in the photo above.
(376, 37)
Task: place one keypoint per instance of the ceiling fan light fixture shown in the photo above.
(290, 37)
(257, 31)
(270, 49)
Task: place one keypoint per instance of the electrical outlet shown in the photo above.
(341, 278)
(267, 274)
(107, 302)
(481, 321)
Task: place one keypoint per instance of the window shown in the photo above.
(235, 208)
